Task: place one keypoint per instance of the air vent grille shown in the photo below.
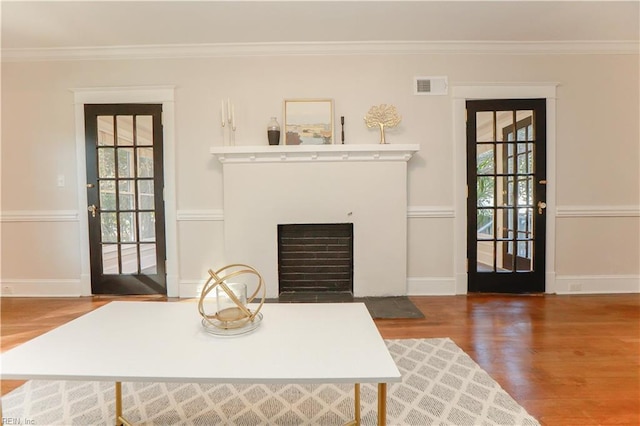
(430, 86)
(424, 86)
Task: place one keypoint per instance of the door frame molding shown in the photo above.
(478, 91)
(122, 95)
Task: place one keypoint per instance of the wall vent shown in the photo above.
(430, 86)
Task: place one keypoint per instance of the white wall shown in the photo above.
(597, 154)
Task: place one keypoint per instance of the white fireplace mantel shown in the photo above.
(366, 185)
(314, 153)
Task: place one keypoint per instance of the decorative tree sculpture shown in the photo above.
(382, 116)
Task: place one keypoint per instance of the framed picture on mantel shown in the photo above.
(308, 121)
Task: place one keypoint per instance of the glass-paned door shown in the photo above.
(125, 202)
(506, 150)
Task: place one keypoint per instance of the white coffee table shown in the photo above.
(166, 342)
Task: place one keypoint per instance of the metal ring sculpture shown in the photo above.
(245, 316)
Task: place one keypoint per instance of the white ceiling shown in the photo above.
(54, 24)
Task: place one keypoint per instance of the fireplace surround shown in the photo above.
(364, 185)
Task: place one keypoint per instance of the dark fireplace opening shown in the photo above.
(315, 258)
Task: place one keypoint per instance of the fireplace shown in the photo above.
(364, 186)
(315, 258)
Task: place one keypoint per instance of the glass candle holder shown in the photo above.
(228, 309)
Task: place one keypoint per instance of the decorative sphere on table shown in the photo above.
(232, 311)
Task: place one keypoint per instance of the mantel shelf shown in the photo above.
(314, 153)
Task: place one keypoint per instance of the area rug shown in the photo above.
(441, 385)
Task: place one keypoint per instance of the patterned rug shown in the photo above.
(441, 385)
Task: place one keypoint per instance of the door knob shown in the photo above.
(92, 208)
(541, 206)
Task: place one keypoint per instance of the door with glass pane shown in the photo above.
(125, 198)
(506, 178)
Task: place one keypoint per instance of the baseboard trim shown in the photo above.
(40, 288)
(190, 288)
(431, 286)
(597, 284)
(416, 286)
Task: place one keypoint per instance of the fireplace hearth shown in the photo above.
(315, 258)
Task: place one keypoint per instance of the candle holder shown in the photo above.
(233, 316)
(228, 120)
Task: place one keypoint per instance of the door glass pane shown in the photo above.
(109, 227)
(485, 159)
(523, 161)
(501, 157)
(147, 226)
(127, 227)
(125, 130)
(505, 125)
(485, 191)
(126, 195)
(485, 127)
(107, 194)
(129, 258)
(148, 259)
(144, 130)
(106, 163)
(105, 130)
(485, 256)
(525, 256)
(508, 218)
(505, 188)
(145, 162)
(525, 222)
(504, 263)
(125, 162)
(485, 223)
(145, 195)
(525, 197)
(110, 259)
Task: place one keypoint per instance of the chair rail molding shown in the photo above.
(423, 212)
(39, 216)
(598, 211)
(200, 215)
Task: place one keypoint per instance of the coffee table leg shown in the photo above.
(357, 399)
(356, 396)
(120, 421)
(382, 404)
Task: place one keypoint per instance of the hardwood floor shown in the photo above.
(569, 360)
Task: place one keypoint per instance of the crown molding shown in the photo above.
(319, 48)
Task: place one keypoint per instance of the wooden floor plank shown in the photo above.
(569, 360)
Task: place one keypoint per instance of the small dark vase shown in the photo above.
(273, 132)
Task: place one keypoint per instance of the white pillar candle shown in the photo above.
(233, 117)
(222, 111)
(229, 110)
